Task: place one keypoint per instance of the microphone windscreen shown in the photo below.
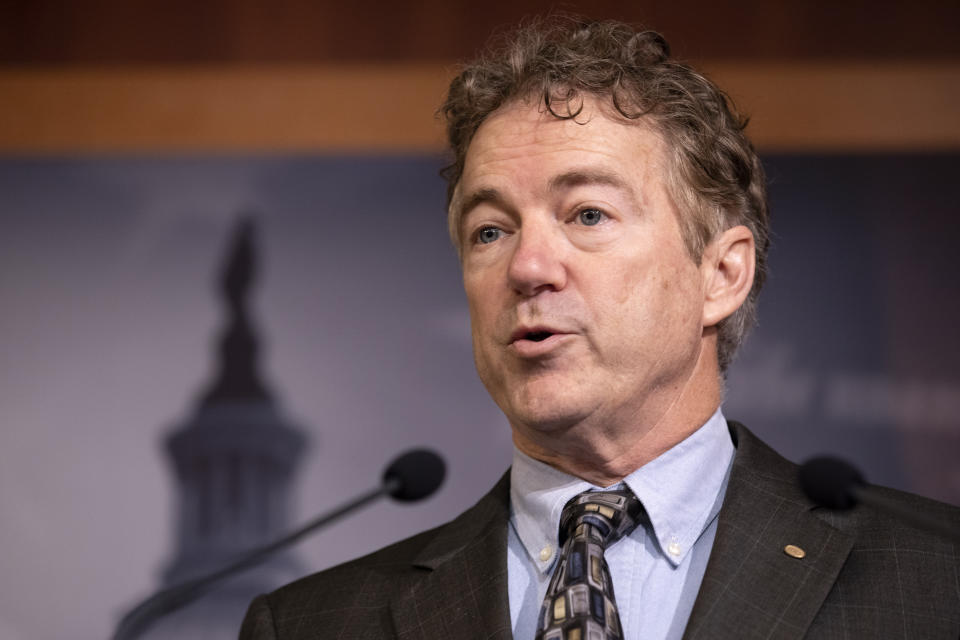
(830, 482)
(415, 475)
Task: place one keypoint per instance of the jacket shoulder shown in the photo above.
(896, 579)
(354, 597)
(340, 582)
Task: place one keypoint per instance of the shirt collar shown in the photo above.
(681, 490)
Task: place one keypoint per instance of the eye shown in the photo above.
(591, 217)
(486, 235)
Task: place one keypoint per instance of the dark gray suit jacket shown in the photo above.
(865, 575)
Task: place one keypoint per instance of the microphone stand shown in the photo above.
(138, 619)
(836, 484)
(917, 518)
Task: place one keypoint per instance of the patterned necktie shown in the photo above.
(579, 604)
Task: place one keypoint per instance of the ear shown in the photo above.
(728, 265)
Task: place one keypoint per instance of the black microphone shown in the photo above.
(836, 484)
(412, 476)
(830, 482)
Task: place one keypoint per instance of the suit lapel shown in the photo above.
(752, 588)
(462, 592)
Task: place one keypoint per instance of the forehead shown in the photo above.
(524, 137)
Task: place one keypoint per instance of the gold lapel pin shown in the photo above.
(794, 551)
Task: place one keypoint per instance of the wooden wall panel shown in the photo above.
(793, 107)
(228, 109)
(319, 31)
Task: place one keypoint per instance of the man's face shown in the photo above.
(584, 301)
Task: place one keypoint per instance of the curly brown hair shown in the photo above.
(715, 174)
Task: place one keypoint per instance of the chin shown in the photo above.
(545, 407)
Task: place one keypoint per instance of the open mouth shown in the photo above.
(537, 336)
(535, 342)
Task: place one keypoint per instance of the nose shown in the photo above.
(537, 261)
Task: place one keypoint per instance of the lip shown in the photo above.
(525, 348)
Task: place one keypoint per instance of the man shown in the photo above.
(611, 222)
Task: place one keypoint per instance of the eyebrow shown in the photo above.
(478, 197)
(582, 177)
(566, 180)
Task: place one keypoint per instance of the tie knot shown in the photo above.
(603, 516)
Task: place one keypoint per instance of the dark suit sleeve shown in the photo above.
(258, 623)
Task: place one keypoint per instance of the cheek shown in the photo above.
(484, 315)
(637, 286)
(479, 306)
(474, 289)
(654, 298)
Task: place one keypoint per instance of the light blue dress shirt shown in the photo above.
(656, 570)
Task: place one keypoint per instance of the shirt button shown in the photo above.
(674, 549)
(546, 553)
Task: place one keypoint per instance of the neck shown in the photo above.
(603, 450)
